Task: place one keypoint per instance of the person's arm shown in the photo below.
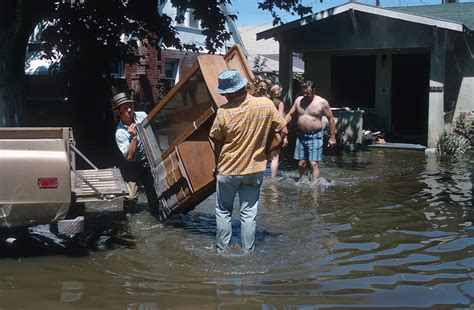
(284, 136)
(284, 132)
(332, 124)
(217, 138)
(281, 108)
(132, 147)
(218, 144)
(279, 127)
(290, 113)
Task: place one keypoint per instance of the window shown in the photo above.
(193, 22)
(171, 72)
(117, 69)
(181, 16)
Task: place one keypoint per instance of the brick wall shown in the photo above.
(146, 79)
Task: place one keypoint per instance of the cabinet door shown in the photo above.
(235, 59)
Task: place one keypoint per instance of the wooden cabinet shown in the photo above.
(176, 133)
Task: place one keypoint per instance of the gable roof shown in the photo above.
(460, 16)
(455, 12)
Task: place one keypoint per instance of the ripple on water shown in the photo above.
(379, 229)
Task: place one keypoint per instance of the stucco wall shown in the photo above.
(464, 62)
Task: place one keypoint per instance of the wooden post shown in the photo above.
(286, 72)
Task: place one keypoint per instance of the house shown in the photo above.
(266, 52)
(411, 69)
(162, 69)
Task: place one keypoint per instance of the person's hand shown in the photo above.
(332, 142)
(285, 142)
(132, 129)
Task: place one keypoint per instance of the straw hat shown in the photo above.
(120, 99)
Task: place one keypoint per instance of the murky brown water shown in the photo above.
(385, 228)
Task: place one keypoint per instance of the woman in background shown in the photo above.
(275, 94)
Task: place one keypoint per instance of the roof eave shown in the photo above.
(365, 9)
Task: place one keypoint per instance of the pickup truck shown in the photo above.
(40, 183)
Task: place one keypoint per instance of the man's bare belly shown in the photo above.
(308, 123)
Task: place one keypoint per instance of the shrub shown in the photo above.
(452, 144)
(463, 126)
(457, 142)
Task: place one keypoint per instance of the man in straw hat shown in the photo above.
(135, 167)
(240, 132)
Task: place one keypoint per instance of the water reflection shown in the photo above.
(383, 228)
(71, 291)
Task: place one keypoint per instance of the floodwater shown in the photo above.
(381, 229)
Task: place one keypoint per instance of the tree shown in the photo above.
(78, 27)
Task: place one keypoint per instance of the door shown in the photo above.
(410, 91)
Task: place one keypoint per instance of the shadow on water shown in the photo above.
(104, 230)
(200, 223)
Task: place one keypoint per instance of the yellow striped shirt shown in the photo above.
(243, 125)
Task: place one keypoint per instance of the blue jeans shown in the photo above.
(248, 187)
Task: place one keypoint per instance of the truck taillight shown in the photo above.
(48, 182)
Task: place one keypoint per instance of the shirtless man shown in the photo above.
(310, 109)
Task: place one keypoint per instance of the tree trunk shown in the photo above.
(17, 21)
(12, 77)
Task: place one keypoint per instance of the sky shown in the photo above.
(248, 13)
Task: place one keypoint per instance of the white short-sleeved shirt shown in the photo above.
(122, 137)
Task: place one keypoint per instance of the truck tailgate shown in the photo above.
(108, 182)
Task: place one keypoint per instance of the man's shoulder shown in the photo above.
(321, 99)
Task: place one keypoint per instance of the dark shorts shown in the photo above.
(309, 145)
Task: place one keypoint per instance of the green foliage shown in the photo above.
(457, 142)
(451, 145)
(100, 26)
(92, 35)
(294, 7)
(463, 126)
(259, 64)
(299, 77)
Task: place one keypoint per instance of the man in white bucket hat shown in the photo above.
(240, 132)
